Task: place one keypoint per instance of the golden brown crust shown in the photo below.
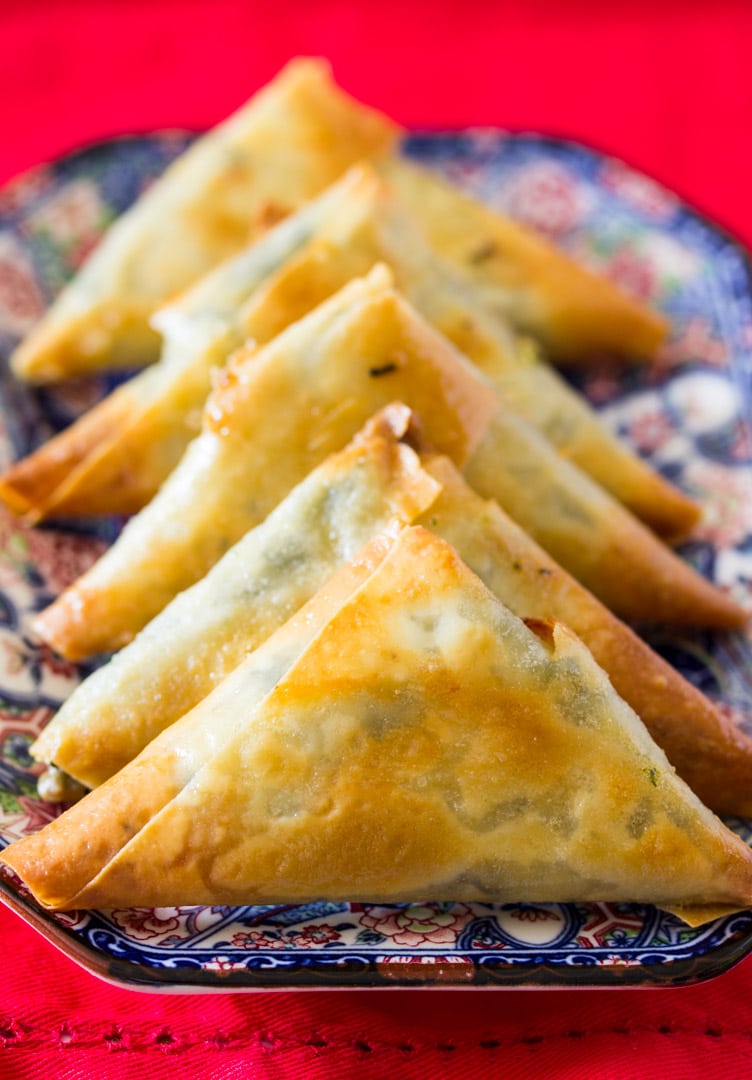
(205, 632)
(28, 486)
(117, 456)
(157, 776)
(360, 350)
(595, 538)
(112, 333)
(575, 313)
(540, 394)
(372, 225)
(332, 371)
(706, 747)
(709, 751)
(355, 224)
(508, 769)
(155, 782)
(125, 469)
(292, 139)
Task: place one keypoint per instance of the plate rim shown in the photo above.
(483, 970)
(496, 974)
(555, 138)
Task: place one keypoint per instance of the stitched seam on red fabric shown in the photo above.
(14, 1034)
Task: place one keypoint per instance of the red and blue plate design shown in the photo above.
(690, 416)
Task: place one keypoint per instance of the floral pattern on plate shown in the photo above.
(689, 415)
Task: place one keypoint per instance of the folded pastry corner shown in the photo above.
(574, 312)
(709, 751)
(49, 478)
(592, 535)
(410, 740)
(291, 140)
(155, 778)
(278, 411)
(375, 482)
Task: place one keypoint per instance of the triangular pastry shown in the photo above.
(283, 147)
(116, 457)
(289, 142)
(162, 777)
(275, 568)
(279, 411)
(294, 137)
(265, 578)
(422, 744)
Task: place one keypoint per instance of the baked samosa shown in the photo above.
(424, 743)
(280, 410)
(289, 142)
(117, 455)
(267, 576)
(573, 312)
(285, 145)
(208, 629)
(373, 227)
(262, 669)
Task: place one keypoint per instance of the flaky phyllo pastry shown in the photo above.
(405, 735)
(117, 455)
(282, 148)
(280, 410)
(289, 142)
(275, 568)
(115, 458)
(264, 579)
(355, 664)
(709, 751)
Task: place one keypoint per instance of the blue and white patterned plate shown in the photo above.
(690, 416)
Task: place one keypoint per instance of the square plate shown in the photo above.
(690, 416)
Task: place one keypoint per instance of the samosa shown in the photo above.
(114, 458)
(206, 631)
(280, 410)
(576, 314)
(405, 737)
(284, 146)
(117, 455)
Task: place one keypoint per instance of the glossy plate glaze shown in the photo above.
(690, 417)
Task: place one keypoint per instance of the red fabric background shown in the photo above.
(701, 1031)
(665, 84)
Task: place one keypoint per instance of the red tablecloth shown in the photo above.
(663, 83)
(666, 85)
(56, 1022)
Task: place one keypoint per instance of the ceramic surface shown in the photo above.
(690, 416)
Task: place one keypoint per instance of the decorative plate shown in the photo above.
(690, 417)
